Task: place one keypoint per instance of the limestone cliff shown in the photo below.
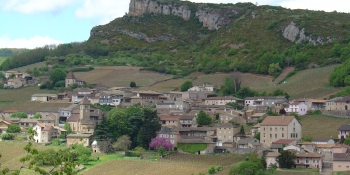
(294, 34)
(212, 20)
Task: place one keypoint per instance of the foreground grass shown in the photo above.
(102, 159)
(313, 124)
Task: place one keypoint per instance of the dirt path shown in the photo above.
(283, 75)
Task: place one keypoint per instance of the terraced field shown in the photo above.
(166, 86)
(31, 66)
(121, 76)
(172, 165)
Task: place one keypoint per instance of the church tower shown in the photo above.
(84, 108)
(70, 79)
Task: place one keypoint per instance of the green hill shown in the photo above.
(248, 38)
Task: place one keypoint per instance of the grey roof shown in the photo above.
(265, 97)
(187, 117)
(247, 140)
(224, 125)
(165, 130)
(70, 75)
(276, 145)
(344, 128)
(321, 139)
(193, 129)
(194, 141)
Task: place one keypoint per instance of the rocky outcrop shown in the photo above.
(212, 20)
(140, 7)
(138, 35)
(294, 34)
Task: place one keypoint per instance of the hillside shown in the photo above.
(180, 37)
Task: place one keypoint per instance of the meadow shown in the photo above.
(31, 66)
(172, 165)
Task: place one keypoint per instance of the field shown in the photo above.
(20, 99)
(171, 165)
(312, 125)
(284, 74)
(2, 59)
(13, 151)
(166, 86)
(31, 66)
(121, 76)
(310, 83)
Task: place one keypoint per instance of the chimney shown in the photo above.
(282, 117)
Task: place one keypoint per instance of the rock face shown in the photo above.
(140, 7)
(212, 20)
(294, 34)
(96, 32)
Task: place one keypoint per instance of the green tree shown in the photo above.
(257, 136)
(274, 69)
(13, 128)
(57, 75)
(19, 115)
(185, 86)
(12, 76)
(161, 151)
(347, 141)
(150, 127)
(228, 88)
(122, 144)
(241, 131)
(1, 85)
(286, 159)
(132, 84)
(67, 128)
(37, 116)
(7, 136)
(203, 118)
(118, 122)
(2, 76)
(347, 80)
(36, 72)
(307, 139)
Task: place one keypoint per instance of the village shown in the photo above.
(177, 112)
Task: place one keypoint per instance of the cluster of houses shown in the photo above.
(14, 79)
(178, 112)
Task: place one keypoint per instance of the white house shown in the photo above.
(205, 87)
(44, 133)
(297, 107)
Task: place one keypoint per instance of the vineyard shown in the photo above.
(12, 152)
(15, 98)
(171, 165)
(121, 76)
(311, 126)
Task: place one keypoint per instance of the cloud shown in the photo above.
(31, 43)
(326, 5)
(36, 6)
(104, 10)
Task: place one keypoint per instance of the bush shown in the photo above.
(7, 136)
(13, 128)
(131, 154)
(132, 84)
(317, 112)
(82, 69)
(211, 170)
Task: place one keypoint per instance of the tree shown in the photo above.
(185, 86)
(241, 131)
(257, 136)
(282, 111)
(203, 119)
(161, 151)
(57, 75)
(2, 76)
(228, 88)
(161, 142)
(7, 136)
(347, 141)
(12, 76)
(132, 84)
(150, 127)
(67, 128)
(13, 128)
(252, 166)
(286, 159)
(37, 116)
(123, 143)
(118, 123)
(274, 69)
(307, 139)
(19, 115)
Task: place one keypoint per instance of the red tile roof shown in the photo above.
(284, 141)
(276, 120)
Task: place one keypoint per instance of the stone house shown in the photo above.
(14, 83)
(79, 93)
(323, 141)
(341, 162)
(4, 125)
(170, 121)
(43, 97)
(256, 116)
(225, 132)
(79, 139)
(222, 100)
(205, 87)
(344, 131)
(64, 114)
(43, 133)
(196, 95)
(264, 101)
(274, 128)
(108, 99)
(308, 160)
(248, 143)
(271, 159)
(173, 95)
(299, 108)
(167, 133)
(7, 113)
(70, 80)
(187, 120)
(277, 145)
(95, 147)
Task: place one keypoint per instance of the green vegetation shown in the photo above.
(203, 118)
(13, 128)
(286, 159)
(19, 115)
(253, 165)
(341, 74)
(132, 84)
(192, 147)
(185, 86)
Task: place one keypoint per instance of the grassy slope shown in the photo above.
(2, 59)
(31, 66)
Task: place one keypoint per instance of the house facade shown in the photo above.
(4, 125)
(43, 132)
(274, 128)
(205, 87)
(70, 80)
(308, 160)
(344, 131)
(299, 108)
(225, 132)
(264, 101)
(222, 100)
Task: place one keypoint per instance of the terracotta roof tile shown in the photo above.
(276, 121)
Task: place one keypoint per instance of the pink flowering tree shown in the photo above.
(161, 142)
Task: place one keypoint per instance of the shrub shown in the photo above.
(132, 84)
(13, 128)
(211, 170)
(7, 136)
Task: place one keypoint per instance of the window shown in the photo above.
(293, 129)
(282, 129)
(282, 134)
(347, 166)
(307, 160)
(270, 128)
(298, 161)
(275, 128)
(275, 135)
(264, 134)
(270, 135)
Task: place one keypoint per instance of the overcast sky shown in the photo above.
(34, 23)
